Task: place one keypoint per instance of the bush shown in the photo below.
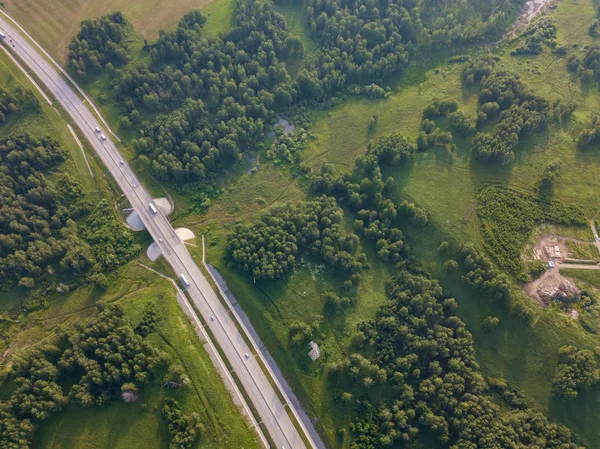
(578, 369)
(490, 323)
(537, 268)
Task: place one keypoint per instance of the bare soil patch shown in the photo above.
(550, 286)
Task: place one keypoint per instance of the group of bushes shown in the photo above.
(541, 32)
(184, 429)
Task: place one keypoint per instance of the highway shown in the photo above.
(251, 377)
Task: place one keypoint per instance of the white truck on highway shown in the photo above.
(184, 280)
(153, 208)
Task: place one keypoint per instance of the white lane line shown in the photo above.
(81, 148)
(27, 75)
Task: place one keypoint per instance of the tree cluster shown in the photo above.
(483, 276)
(288, 147)
(463, 122)
(90, 364)
(300, 333)
(100, 42)
(420, 352)
(184, 429)
(432, 137)
(590, 136)
(578, 369)
(440, 108)
(511, 396)
(269, 248)
(549, 176)
(520, 112)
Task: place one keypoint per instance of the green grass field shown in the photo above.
(590, 277)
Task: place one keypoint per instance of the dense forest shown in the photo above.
(51, 236)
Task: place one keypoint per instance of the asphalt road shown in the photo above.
(252, 378)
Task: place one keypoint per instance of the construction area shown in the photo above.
(558, 252)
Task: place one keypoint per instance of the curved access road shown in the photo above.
(248, 370)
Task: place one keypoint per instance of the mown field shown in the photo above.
(117, 425)
(53, 23)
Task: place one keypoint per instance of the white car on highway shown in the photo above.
(97, 129)
(102, 136)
